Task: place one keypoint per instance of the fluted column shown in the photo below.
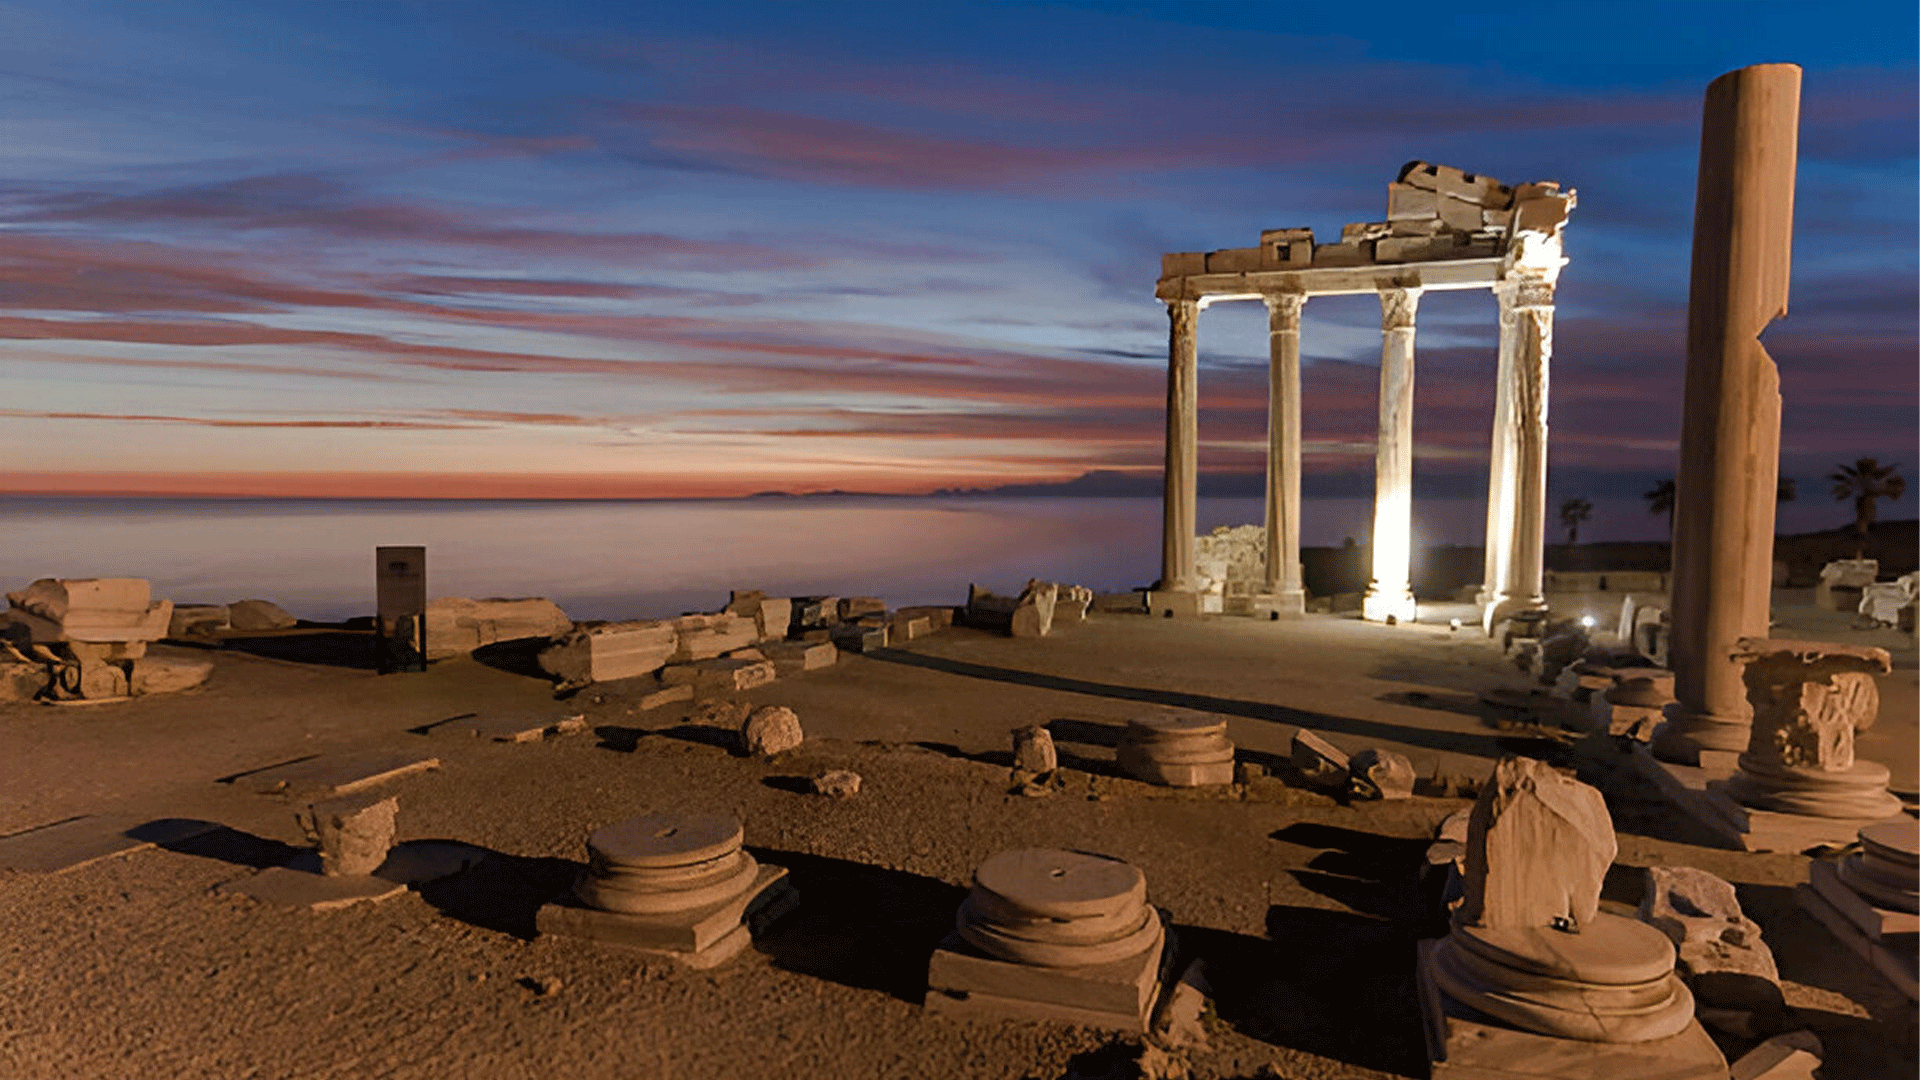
(1391, 594)
(1730, 426)
(1523, 554)
(1183, 436)
(1284, 592)
(1499, 536)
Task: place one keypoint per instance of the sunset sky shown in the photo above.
(447, 248)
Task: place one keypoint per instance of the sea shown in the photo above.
(614, 559)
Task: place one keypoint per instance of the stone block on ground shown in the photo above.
(1319, 761)
(21, 680)
(1380, 774)
(938, 616)
(852, 637)
(770, 730)
(335, 774)
(83, 841)
(813, 613)
(603, 652)
(168, 674)
(703, 637)
(258, 615)
(196, 619)
(852, 607)
(285, 886)
(791, 658)
(838, 783)
(1721, 955)
(457, 625)
(1792, 1056)
(90, 610)
(719, 675)
(1033, 749)
(352, 834)
(772, 616)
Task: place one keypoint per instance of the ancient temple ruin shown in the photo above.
(1445, 229)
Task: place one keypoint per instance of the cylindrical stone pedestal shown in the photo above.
(1613, 981)
(1058, 909)
(659, 864)
(1179, 751)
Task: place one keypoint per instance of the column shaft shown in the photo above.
(1391, 593)
(1499, 454)
(1183, 437)
(1521, 543)
(1283, 583)
(1730, 427)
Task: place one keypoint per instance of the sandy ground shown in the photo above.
(1303, 908)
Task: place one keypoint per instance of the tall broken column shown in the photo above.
(1526, 304)
(1183, 437)
(1284, 592)
(1730, 431)
(1390, 595)
(1500, 450)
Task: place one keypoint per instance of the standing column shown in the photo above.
(1499, 537)
(1391, 593)
(1730, 426)
(1523, 548)
(1183, 435)
(1285, 594)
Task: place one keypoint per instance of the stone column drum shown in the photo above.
(1530, 947)
(1500, 451)
(1183, 438)
(1730, 426)
(1808, 699)
(1391, 593)
(1283, 584)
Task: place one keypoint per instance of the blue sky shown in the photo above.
(470, 248)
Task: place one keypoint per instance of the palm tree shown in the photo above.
(1866, 482)
(1660, 501)
(1572, 513)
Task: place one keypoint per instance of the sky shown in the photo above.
(596, 250)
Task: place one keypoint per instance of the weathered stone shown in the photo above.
(770, 730)
(665, 696)
(852, 607)
(196, 619)
(794, 657)
(938, 616)
(1178, 1022)
(21, 680)
(353, 834)
(853, 637)
(99, 610)
(1843, 583)
(1070, 605)
(1028, 615)
(719, 675)
(1792, 1056)
(1808, 699)
(166, 674)
(838, 783)
(1720, 952)
(1319, 761)
(719, 713)
(772, 617)
(1033, 749)
(258, 615)
(603, 652)
(1176, 750)
(814, 612)
(904, 628)
(456, 625)
(1380, 774)
(703, 637)
(1539, 844)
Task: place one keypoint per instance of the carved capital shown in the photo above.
(1183, 316)
(1283, 310)
(1397, 306)
(1526, 292)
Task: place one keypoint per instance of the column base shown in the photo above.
(1702, 739)
(1175, 604)
(1394, 603)
(1499, 607)
(1284, 603)
(1856, 792)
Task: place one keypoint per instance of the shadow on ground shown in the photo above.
(324, 646)
(1472, 743)
(501, 892)
(861, 926)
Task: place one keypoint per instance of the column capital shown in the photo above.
(1183, 314)
(1283, 309)
(1397, 305)
(1525, 291)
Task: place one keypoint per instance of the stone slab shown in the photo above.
(1875, 922)
(695, 931)
(288, 887)
(335, 774)
(1118, 996)
(82, 841)
(511, 729)
(1898, 966)
(1176, 605)
(1174, 774)
(1463, 1048)
(795, 657)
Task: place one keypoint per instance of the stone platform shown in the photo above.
(701, 938)
(1464, 1045)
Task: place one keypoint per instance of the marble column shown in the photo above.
(1500, 450)
(1284, 592)
(1183, 437)
(1391, 593)
(1730, 426)
(1524, 539)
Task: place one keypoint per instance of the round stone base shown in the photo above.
(1856, 792)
